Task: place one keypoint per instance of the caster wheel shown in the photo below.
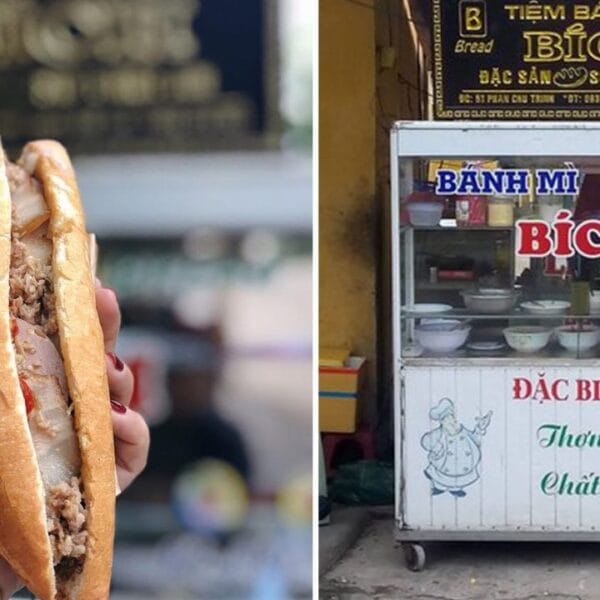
(414, 555)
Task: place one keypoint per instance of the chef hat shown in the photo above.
(444, 408)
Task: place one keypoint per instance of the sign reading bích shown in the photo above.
(502, 59)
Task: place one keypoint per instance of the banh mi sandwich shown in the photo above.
(57, 462)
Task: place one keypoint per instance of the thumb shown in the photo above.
(9, 582)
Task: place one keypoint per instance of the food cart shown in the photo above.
(495, 333)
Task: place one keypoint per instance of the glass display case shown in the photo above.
(496, 329)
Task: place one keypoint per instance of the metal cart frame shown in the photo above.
(446, 140)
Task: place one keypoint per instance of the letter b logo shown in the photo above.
(472, 18)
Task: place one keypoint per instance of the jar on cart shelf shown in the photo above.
(549, 206)
(501, 211)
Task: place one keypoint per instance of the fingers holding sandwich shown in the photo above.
(132, 441)
(9, 582)
(132, 437)
(120, 379)
(109, 314)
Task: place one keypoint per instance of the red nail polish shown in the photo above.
(118, 407)
(116, 361)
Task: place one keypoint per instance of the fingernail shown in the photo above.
(114, 292)
(118, 407)
(98, 282)
(116, 361)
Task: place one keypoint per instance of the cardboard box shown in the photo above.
(333, 357)
(347, 378)
(338, 414)
(340, 389)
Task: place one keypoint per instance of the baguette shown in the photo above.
(56, 519)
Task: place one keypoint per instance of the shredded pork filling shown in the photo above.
(31, 299)
(66, 520)
(31, 293)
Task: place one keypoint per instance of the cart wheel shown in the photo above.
(414, 555)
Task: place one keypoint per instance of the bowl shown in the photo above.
(442, 335)
(527, 338)
(546, 307)
(490, 291)
(422, 308)
(425, 214)
(490, 301)
(574, 337)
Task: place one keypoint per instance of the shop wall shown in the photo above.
(401, 81)
(347, 208)
(361, 95)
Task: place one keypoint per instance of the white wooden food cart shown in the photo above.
(488, 447)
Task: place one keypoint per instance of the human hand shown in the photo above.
(132, 438)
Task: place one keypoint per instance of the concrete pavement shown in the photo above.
(374, 568)
(347, 523)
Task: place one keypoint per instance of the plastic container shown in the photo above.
(501, 211)
(471, 211)
(580, 298)
(425, 214)
(422, 192)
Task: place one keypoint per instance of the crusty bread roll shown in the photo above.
(24, 540)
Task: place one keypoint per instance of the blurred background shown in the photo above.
(189, 123)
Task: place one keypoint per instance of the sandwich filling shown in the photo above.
(41, 373)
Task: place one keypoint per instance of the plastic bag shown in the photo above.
(368, 482)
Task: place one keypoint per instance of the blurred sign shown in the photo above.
(497, 59)
(144, 75)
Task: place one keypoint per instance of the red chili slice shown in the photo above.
(28, 395)
(14, 328)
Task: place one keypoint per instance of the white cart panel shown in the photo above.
(503, 448)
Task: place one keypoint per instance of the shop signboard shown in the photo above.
(138, 75)
(531, 60)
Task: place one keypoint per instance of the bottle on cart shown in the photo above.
(580, 297)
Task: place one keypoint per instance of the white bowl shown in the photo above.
(573, 338)
(442, 336)
(546, 307)
(425, 214)
(487, 291)
(423, 308)
(489, 302)
(527, 338)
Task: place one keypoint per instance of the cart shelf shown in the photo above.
(406, 228)
(463, 314)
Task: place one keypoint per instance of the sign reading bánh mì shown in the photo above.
(502, 59)
(147, 75)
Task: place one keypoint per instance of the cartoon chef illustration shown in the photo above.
(454, 452)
